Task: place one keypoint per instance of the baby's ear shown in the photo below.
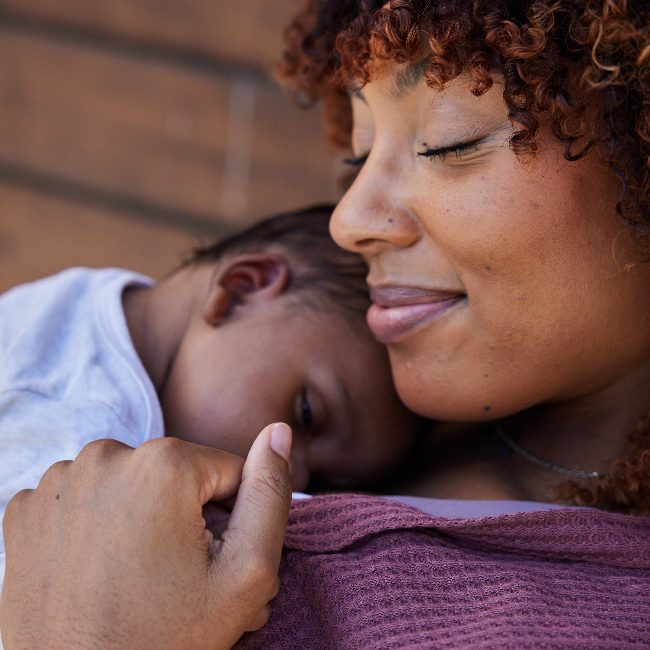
(244, 278)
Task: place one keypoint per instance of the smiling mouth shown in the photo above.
(397, 311)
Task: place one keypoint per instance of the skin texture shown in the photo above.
(551, 316)
(228, 350)
(553, 311)
(252, 353)
(206, 591)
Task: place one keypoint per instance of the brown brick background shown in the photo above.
(132, 129)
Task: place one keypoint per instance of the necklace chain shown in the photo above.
(540, 462)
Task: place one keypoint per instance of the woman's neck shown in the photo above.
(470, 461)
(585, 433)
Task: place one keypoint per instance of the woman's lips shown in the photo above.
(398, 311)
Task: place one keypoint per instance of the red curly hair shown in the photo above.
(583, 65)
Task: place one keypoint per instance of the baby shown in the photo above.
(264, 326)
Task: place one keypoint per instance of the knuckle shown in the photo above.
(58, 467)
(167, 454)
(103, 448)
(53, 474)
(16, 506)
(163, 447)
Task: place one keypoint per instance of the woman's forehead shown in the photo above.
(405, 77)
(405, 85)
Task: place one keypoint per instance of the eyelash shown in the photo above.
(439, 152)
(458, 149)
(306, 412)
(355, 162)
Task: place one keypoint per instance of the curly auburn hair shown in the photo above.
(582, 65)
(554, 56)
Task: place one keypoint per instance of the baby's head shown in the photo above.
(281, 336)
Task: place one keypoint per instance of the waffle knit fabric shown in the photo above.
(362, 572)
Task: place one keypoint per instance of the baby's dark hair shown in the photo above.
(319, 271)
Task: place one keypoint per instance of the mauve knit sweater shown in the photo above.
(369, 573)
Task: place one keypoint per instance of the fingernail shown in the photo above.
(281, 440)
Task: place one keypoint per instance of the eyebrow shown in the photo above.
(405, 80)
(409, 77)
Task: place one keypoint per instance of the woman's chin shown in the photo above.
(448, 401)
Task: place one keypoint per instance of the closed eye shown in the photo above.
(356, 162)
(305, 413)
(457, 149)
(430, 152)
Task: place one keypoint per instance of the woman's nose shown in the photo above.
(371, 217)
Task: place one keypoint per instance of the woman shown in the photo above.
(502, 276)
(495, 144)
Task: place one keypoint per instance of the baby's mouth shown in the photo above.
(398, 311)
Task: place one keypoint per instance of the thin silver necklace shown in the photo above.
(540, 462)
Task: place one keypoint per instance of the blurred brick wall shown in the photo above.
(132, 129)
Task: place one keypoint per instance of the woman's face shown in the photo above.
(497, 284)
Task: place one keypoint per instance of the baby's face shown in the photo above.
(319, 372)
